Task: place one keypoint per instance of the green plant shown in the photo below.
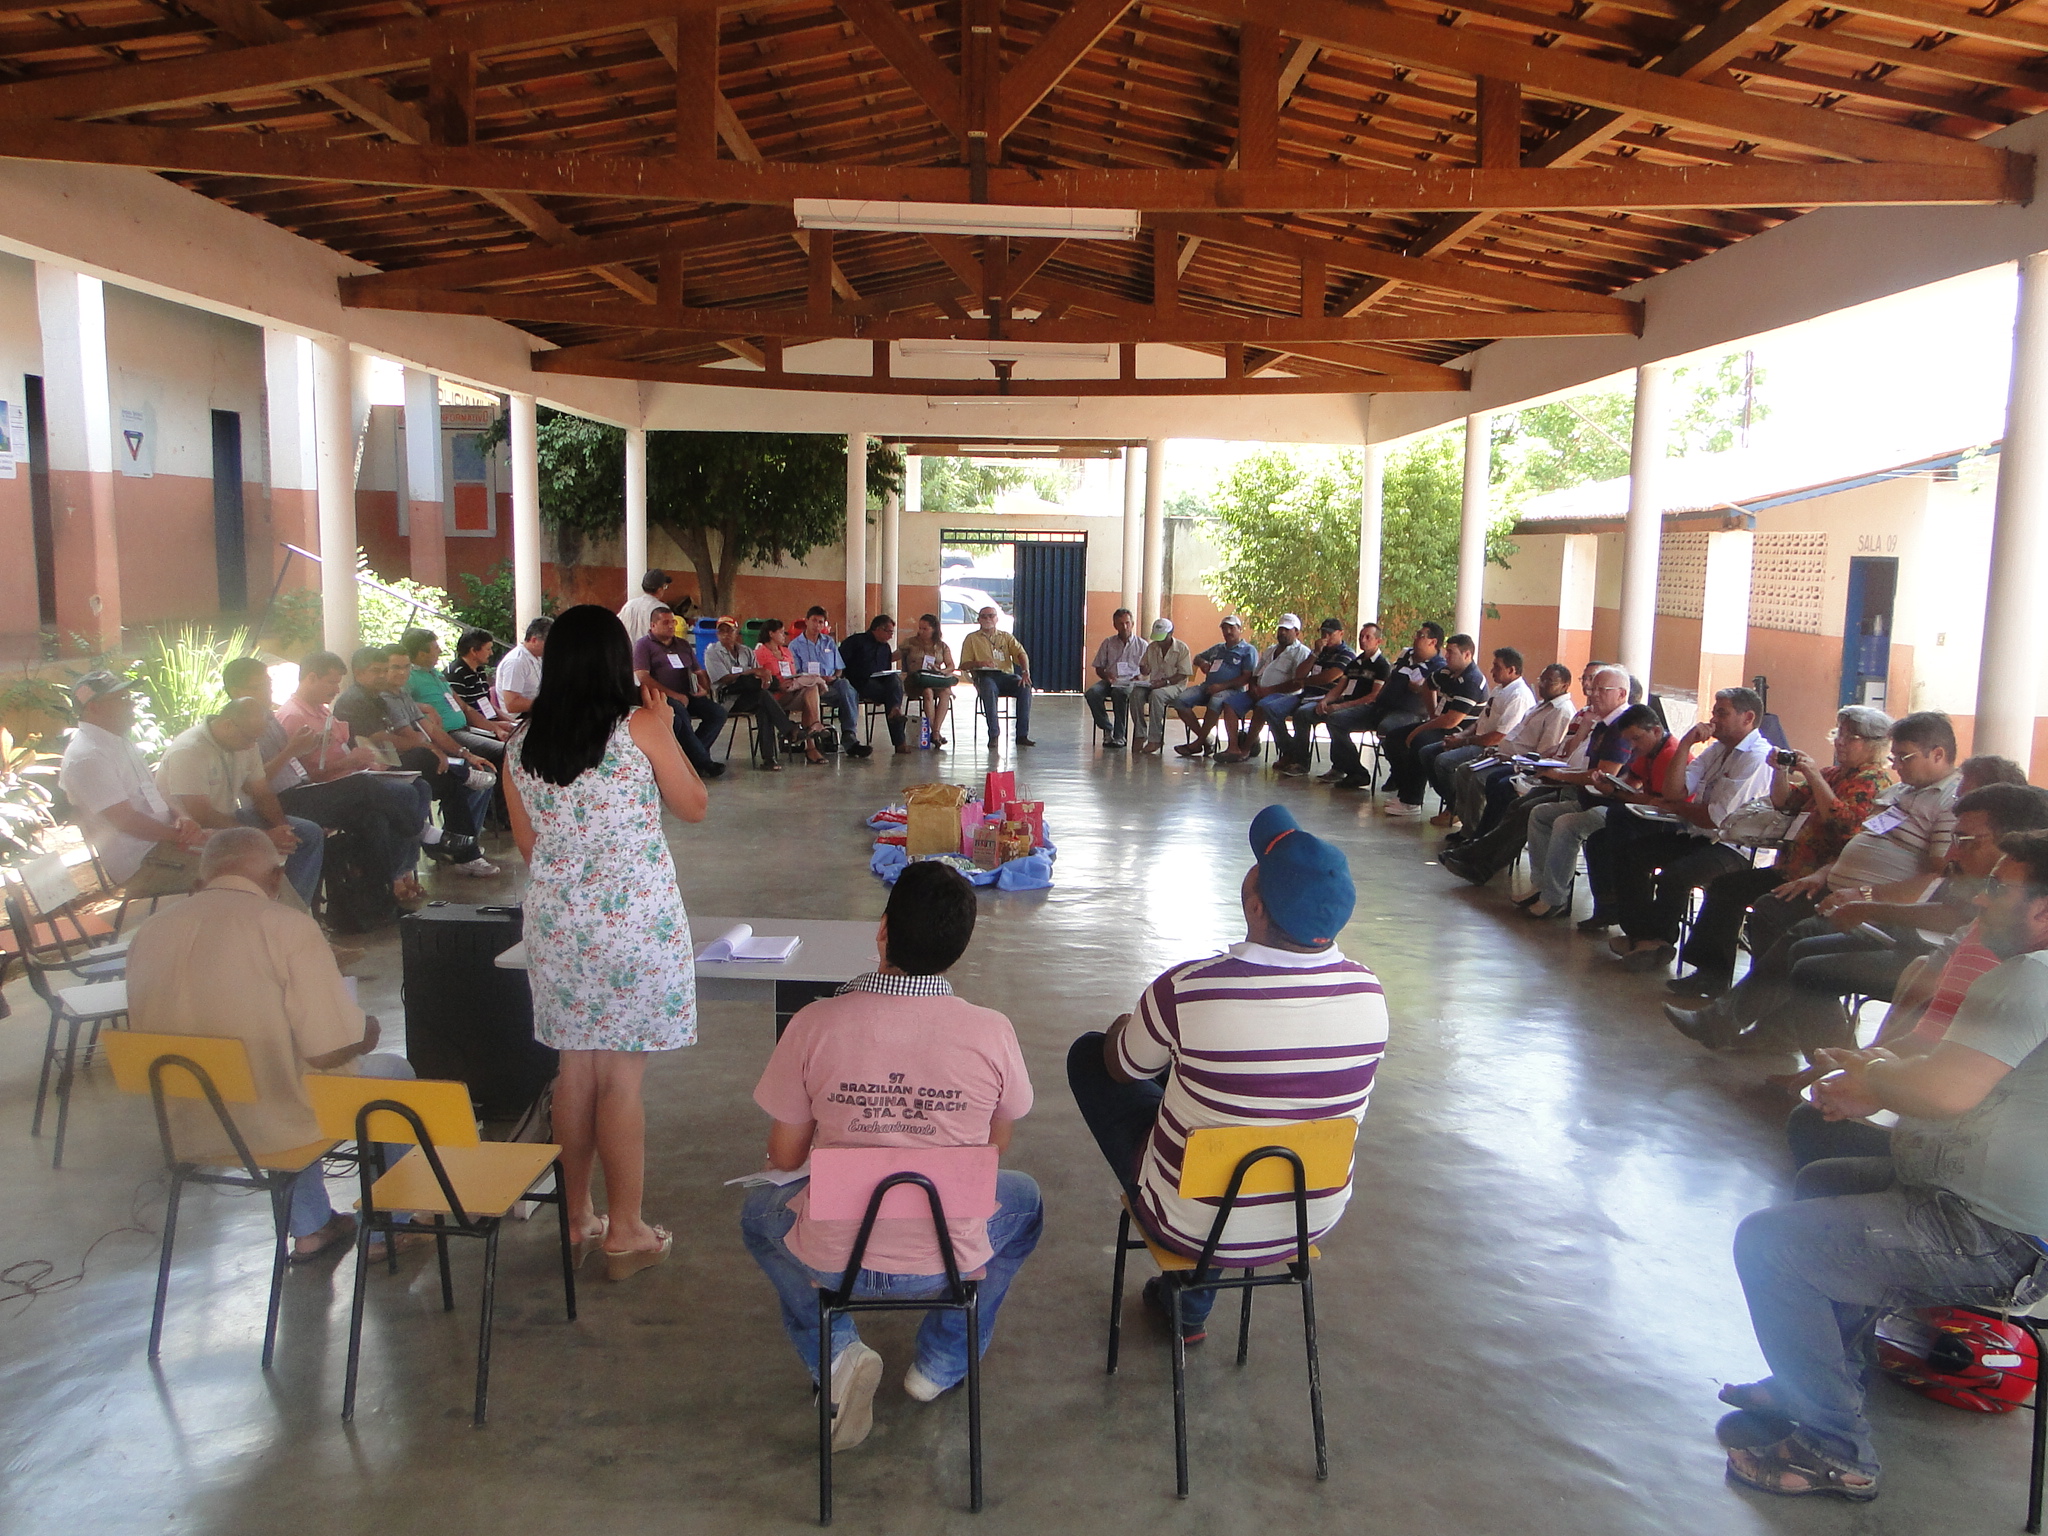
(382, 616)
(34, 708)
(489, 605)
(26, 775)
(179, 674)
(295, 618)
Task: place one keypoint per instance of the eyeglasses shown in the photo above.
(1974, 837)
(1906, 757)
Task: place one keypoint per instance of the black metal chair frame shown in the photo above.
(39, 972)
(462, 1225)
(733, 719)
(1298, 1273)
(275, 1182)
(2037, 1461)
(959, 1296)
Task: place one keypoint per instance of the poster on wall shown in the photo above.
(135, 446)
(10, 436)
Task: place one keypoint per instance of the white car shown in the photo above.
(958, 607)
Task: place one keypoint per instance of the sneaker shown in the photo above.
(1155, 1303)
(450, 850)
(1116, 743)
(855, 1375)
(921, 1386)
(1332, 777)
(1294, 770)
(1401, 810)
(479, 868)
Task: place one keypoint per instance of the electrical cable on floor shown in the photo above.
(26, 1279)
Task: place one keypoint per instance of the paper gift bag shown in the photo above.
(988, 843)
(1013, 841)
(970, 823)
(933, 818)
(1032, 811)
(999, 789)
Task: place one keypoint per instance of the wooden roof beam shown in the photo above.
(2003, 178)
(858, 384)
(1034, 77)
(884, 29)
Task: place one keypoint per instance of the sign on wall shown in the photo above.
(11, 440)
(135, 443)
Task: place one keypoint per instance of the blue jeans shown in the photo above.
(1443, 770)
(1118, 697)
(1120, 1117)
(311, 1209)
(1013, 1232)
(990, 684)
(1853, 1243)
(302, 864)
(838, 694)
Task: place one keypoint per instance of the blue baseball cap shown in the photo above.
(1304, 881)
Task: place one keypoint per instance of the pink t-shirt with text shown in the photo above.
(880, 1071)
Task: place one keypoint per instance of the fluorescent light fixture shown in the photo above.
(1072, 402)
(967, 219)
(1007, 351)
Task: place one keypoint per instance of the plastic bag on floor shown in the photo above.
(1033, 872)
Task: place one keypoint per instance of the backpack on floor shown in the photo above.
(827, 740)
(358, 895)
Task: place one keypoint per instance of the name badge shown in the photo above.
(1890, 819)
(815, 668)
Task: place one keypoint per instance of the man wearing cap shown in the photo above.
(1162, 674)
(1118, 661)
(1275, 689)
(145, 847)
(1225, 668)
(1281, 1028)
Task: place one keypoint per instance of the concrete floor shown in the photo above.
(1525, 1314)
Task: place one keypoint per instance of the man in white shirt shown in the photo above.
(1659, 862)
(1507, 702)
(1275, 690)
(214, 773)
(1162, 674)
(143, 845)
(638, 614)
(1118, 661)
(518, 674)
(1462, 775)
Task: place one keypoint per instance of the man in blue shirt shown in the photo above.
(817, 654)
(1225, 668)
(1403, 699)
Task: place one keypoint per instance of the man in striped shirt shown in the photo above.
(1282, 1028)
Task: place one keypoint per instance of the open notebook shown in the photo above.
(739, 943)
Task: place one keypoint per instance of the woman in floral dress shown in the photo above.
(607, 943)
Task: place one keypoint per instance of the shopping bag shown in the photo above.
(932, 818)
(999, 789)
(970, 823)
(1032, 811)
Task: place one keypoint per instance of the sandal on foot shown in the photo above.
(1793, 1466)
(590, 1242)
(337, 1234)
(623, 1266)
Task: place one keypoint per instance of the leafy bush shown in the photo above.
(381, 616)
(26, 775)
(179, 675)
(489, 605)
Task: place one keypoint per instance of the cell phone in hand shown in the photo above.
(1876, 934)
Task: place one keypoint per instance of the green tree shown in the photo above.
(727, 498)
(1287, 527)
(1723, 403)
(947, 484)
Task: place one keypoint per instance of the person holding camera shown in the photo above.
(1834, 799)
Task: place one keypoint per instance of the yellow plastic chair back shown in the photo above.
(443, 1107)
(222, 1057)
(1211, 1157)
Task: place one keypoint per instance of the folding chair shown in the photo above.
(870, 712)
(215, 1068)
(52, 903)
(732, 732)
(467, 1185)
(2037, 1460)
(1222, 1164)
(86, 1006)
(880, 1181)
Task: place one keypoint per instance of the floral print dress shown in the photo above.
(607, 942)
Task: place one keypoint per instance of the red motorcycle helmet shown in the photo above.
(1962, 1358)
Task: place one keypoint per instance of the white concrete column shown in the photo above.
(293, 456)
(892, 558)
(855, 619)
(1724, 614)
(1472, 520)
(2019, 534)
(525, 425)
(426, 518)
(1372, 478)
(913, 483)
(636, 510)
(1133, 582)
(79, 418)
(1152, 603)
(335, 458)
(1644, 542)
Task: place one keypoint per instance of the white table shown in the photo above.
(833, 950)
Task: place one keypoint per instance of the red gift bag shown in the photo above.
(1030, 811)
(1000, 788)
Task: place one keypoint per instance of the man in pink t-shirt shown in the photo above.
(895, 1059)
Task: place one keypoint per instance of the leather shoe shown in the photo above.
(1655, 958)
(1698, 984)
(1702, 1026)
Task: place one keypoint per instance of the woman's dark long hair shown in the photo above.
(586, 688)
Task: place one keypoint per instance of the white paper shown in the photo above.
(738, 943)
(776, 1177)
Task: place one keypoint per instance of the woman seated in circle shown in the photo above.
(929, 672)
(797, 694)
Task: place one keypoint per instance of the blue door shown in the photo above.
(1051, 610)
(1867, 631)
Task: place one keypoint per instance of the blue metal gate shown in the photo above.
(1051, 611)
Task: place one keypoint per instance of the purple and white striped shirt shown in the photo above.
(1255, 1035)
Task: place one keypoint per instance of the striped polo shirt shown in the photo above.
(1253, 1036)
